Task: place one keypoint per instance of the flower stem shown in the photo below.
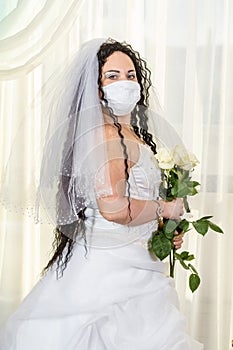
(172, 261)
(186, 205)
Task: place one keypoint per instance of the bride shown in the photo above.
(99, 183)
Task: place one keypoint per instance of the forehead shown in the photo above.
(118, 60)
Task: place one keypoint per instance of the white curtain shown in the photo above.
(188, 45)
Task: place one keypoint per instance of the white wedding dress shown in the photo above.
(116, 297)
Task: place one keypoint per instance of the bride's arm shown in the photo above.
(118, 208)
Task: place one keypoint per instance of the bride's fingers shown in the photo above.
(178, 244)
(178, 240)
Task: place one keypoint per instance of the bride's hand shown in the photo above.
(173, 210)
(178, 239)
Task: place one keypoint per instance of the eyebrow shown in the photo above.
(117, 71)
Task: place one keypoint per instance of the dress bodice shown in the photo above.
(144, 180)
(144, 176)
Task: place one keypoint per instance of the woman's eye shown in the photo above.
(111, 76)
(131, 76)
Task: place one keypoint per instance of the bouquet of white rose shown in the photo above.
(176, 167)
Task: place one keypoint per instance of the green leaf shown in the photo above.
(174, 190)
(206, 217)
(183, 264)
(192, 268)
(181, 189)
(190, 257)
(183, 174)
(192, 184)
(184, 255)
(201, 226)
(173, 175)
(169, 228)
(183, 225)
(161, 246)
(179, 257)
(170, 198)
(193, 192)
(214, 227)
(194, 282)
(150, 244)
(195, 183)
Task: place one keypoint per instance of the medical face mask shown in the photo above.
(122, 96)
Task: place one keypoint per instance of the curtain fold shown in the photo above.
(189, 47)
(29, 30)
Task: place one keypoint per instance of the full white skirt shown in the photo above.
(114, 299)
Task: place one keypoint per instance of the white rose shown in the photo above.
(183, 159)
(193, 159)
(165, 158)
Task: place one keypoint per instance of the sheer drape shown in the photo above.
(189, 48)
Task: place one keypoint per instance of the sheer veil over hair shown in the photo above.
(74, 168)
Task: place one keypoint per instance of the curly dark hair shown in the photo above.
(138, 116)
(142, 72)
(63, 244)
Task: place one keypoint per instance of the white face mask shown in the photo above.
(122, 96)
